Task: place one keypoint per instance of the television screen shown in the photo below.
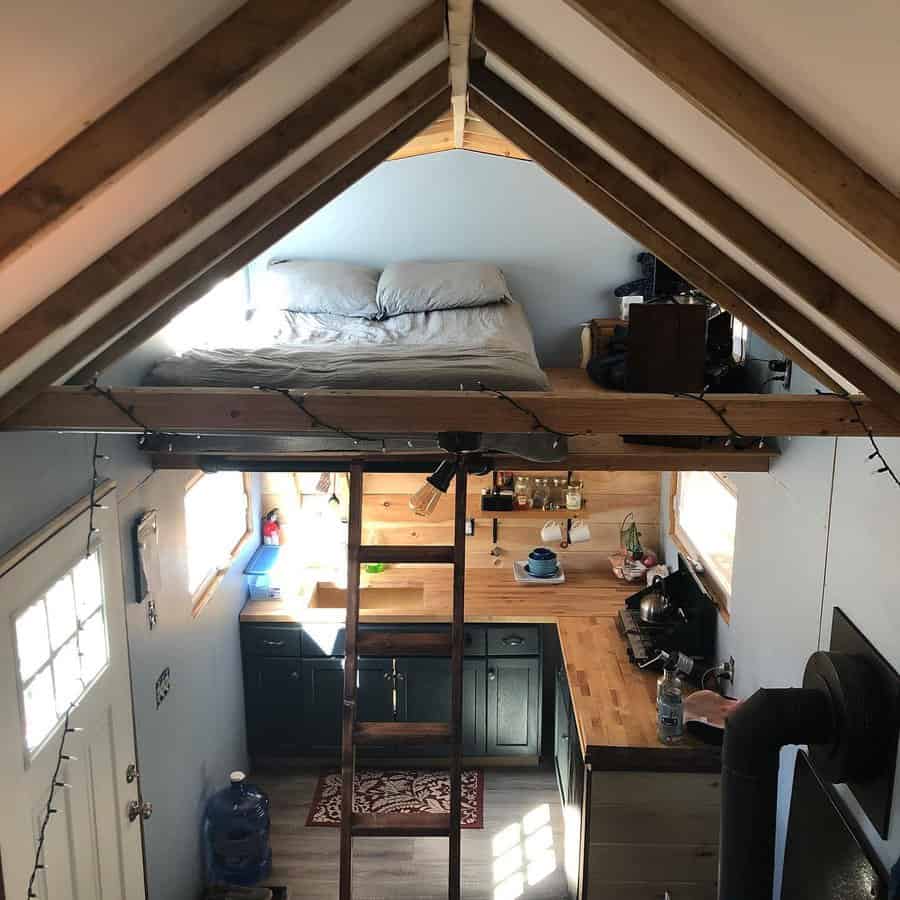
(825, 856)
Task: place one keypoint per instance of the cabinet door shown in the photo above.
(323, 691)
(563, 737)
(513, 706)
(424, 696)
(273, 698)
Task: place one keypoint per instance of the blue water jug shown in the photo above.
(236, 828)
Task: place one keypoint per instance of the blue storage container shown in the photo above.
(236, 829)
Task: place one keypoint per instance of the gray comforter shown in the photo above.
(420, 351)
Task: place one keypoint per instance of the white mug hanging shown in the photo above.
(551, 532)
(579, 532)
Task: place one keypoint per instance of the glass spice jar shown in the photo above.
(541, 494)
(558, 491)
(574, 495)
(524, 491)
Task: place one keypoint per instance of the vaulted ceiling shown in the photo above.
(141, 146)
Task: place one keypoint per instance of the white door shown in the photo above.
(62, 640)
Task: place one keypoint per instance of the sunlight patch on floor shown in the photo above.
(523, 854)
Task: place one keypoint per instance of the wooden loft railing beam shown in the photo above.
(204, 74)
(688, 186)
(686, 61)
(414, 38)
(253, 231)
(634, 210)
(459, 36)
(247, 411)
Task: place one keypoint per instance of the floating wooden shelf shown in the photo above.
(525, 514)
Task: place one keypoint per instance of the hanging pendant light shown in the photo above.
(427, 497)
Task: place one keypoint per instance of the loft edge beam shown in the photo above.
(459, 36)
(143, 313)
(248, 411)
(550, 144)
(670, 49)
(392, 54)
(207, 72)
(687, 185)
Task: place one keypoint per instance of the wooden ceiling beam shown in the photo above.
(688, 186)
(275, 214)
(409, 42)
(667, 236)
(207, 72)
(248, 411)
(715, 84)
(459, 34)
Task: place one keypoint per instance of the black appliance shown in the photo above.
(826, 855)
(688, 625)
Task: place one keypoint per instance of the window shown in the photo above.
(217, 522)
(61, 645)
(704, 512)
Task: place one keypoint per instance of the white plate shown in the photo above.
(522, 577)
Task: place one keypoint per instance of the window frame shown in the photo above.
(22, 684)
(720, 593)
(201, 596)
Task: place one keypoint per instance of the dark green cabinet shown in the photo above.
(424, 696)
(513, 706)
(563, 736)
(323, 688)
(294, 684)
(273, 697)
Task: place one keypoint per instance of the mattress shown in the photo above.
(442, 350)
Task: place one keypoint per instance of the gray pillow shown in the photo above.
(410, 287)
(339, 288)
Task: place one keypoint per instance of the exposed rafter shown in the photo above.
(272, 216)
(549, 144)
(235, 411)
(459, 33)
(688, 186)
(415, 37)
(206, 72)
(715, 84)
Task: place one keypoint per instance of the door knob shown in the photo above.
(492, 674)
(138, 809)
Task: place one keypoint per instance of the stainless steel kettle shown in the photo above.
(655, 604)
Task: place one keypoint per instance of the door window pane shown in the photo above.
(62, 645)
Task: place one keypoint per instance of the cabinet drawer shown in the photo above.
(475, 640)
(513, 640)
(270, 640)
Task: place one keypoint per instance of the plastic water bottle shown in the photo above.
(670, 706)
(236, 830)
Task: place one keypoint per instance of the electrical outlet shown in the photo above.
(163, 686)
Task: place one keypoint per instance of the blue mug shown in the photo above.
(542, 562)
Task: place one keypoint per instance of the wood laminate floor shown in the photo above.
(518, 853)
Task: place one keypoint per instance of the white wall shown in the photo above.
(561, 259)
(817, 531)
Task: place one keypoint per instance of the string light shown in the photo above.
(884, 467)
(126, 411)
(96, 457)
(537, 424)
(50, 810)
(735, 439)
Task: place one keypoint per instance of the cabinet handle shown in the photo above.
(565, 737)
(492, 674)
(273, 643)
(513, 640)
(295, 675)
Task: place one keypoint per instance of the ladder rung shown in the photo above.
(401, 824)
(399, 643)
(374, 553)
(402, 733)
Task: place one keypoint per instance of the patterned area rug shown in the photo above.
(398, 791)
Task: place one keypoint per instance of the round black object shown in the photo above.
(859, 710)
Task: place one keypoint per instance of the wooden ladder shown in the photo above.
(391, 644)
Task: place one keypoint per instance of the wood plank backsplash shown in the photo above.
(387, 519)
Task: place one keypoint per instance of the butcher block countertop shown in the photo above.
(614, 702)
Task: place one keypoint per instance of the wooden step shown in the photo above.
(401, 824)
(400, 643)
(402, 733)
(376, 553)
